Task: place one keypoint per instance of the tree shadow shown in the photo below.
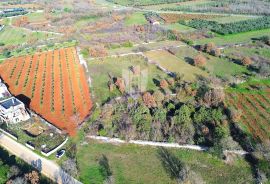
(189, 60)
(37, 164)
(172, 165)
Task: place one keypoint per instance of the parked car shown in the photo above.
(60, 153)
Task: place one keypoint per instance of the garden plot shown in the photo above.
(36, 133)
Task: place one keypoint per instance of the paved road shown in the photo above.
(47, 167)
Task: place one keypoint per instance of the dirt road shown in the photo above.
(46, 167)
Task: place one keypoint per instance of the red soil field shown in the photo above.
(255, 112)
(56, 84)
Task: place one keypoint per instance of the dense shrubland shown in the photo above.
(231, 28)
(194, 114)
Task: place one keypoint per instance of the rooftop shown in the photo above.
(11, 102)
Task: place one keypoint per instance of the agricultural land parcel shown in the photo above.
(55, 83)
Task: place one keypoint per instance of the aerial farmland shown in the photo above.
(135, 91)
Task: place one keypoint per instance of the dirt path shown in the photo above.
(46, 167)
(161, 144)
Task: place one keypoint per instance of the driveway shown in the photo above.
(45, 166)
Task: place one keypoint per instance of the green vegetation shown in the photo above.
(223, 68)
(179, 27)
(99, 71)
(15, 36)
(14, 170)
(129, 166)
(144, 2)
(235, 38)
(250, 51)
(174, 64)
(135, 19)
(36, 17)
(231, 28)
(231, 19)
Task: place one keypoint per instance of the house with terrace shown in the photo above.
(13, 111)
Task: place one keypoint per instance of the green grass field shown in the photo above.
(15, 36)
(175, 64)
(179, 27)
(235, 38)
(230, 19)
(135, 19)
(148, 46)
(140, 164)
(99, 71)
(215, 65)
(223, 68)
(36, 17)
(246, 51)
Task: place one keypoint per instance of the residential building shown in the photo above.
(13, 111)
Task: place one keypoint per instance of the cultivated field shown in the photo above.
(174, 64)
(55, 83)
(253, 99)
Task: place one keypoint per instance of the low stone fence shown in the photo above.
(55, 149)
(9, 134)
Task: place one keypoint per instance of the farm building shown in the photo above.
(13, 110)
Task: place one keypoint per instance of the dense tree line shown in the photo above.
(231, 28)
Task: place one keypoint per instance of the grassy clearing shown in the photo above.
(99, 71)
(216, 66)
(246, 51)
(135, 19)
(36, 17)
(129, 166)
(179, 27)
(235, 38)
(221, 67)
(15, 36)
(148, 46)
(174, 64)
(230, 19)
(33, 50)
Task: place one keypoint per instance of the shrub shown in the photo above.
(199, 60)
(246, 61)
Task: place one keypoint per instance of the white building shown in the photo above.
(4, 93)
(13, 111)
